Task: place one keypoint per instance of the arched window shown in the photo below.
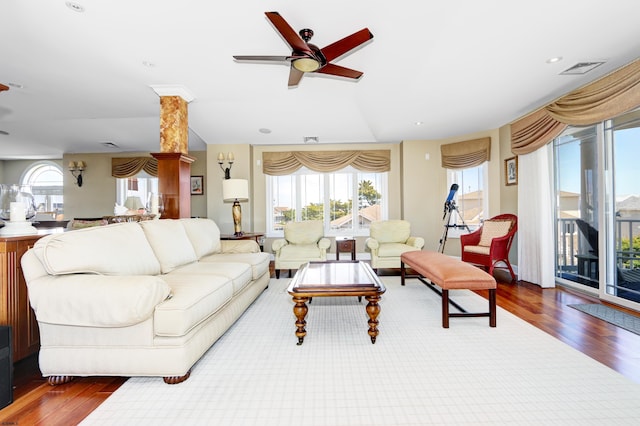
(45, 178)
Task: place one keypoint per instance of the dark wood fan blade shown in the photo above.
(262, 58)
(346, 44)
(333, 69)
(294, 76)
(288, 33)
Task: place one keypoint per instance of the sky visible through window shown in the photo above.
(626, 158)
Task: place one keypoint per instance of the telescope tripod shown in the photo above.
(450, 207)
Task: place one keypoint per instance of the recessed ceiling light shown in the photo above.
(419, 123)
(554, 59)
(264, 130)
(76, 7)
(148, 64)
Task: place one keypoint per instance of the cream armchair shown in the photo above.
(302, 242)
(388, 240)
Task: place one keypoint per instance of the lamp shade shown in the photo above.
(235, 189)
(133, 203)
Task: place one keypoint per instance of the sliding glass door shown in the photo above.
(622, 201)
(597, 195)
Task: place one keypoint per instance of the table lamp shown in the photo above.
(236, 190)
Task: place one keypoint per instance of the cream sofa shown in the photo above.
(138, 299)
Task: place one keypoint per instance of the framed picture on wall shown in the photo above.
(511, 171)
(197, 185)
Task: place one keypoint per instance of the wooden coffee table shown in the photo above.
(334, 278)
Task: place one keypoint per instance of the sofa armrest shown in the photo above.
(276, 245)
(417, 242)
(239, 246)
(471, 239)
(324, 243)
(89, 300)
(372, 244)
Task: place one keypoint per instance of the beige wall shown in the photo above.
(425, 187)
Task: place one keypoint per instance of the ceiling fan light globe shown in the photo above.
(306, 64)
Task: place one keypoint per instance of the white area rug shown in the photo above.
(417, 373)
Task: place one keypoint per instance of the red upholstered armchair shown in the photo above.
(490, 244)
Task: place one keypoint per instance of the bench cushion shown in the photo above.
(447, 272)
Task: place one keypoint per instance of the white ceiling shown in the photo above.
(458, 67)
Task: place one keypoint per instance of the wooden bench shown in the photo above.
(450, 274)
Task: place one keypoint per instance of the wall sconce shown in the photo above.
(76, 169)
(230, 159)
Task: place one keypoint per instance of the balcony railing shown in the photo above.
(573, 249)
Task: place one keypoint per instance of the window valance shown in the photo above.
(130, 166)
(605, 98)
(284, 163)
(465, 154)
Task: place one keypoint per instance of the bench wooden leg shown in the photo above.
(402, 273)
(445, 308)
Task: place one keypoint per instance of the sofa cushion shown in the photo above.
(204, 235)
(478, 249)
(118, 249)
(194, 299)
(493, 229)
(88, 300)
(240, 274)
(259, 262)
(169, 242)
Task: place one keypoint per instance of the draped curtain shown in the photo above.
(536, 261)
(130, 166)
(285, 163)
(465, 154)
(605, 98)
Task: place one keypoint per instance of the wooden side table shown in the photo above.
(257, 236)
(347, 245)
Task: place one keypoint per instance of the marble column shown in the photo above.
(174, 163)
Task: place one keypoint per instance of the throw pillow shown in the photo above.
(493, 229)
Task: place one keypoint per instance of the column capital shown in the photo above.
(173, 90)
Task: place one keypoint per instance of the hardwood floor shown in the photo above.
(37, 403)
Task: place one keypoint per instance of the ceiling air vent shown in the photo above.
(581, 68)
(311, 139)
(110, 145)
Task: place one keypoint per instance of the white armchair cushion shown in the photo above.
(390, 231)
(307, 232)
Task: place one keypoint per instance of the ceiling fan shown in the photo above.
(306, 57)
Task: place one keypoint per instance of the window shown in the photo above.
(45, 178)
(330, 197)
(470, 199)
(139, 185)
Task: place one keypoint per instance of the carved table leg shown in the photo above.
(300, 311)
(373, 309)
